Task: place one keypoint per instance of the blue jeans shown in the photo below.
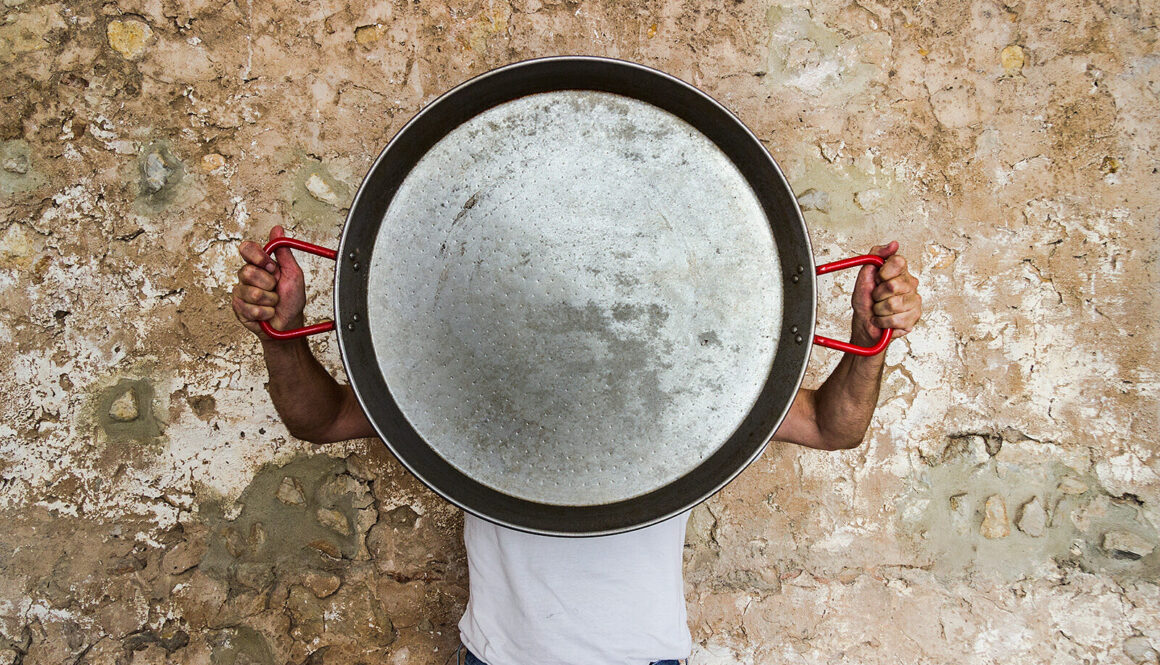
(470, 659)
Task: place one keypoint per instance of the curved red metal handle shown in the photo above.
(304, 246)
(846, 347)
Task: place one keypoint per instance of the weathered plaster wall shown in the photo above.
(1003, 509)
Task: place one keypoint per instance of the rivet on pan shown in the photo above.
(793, 329)
(355, 266)
(793, 279)
(798, 339)
(350, 326)
(353, 255)
(354, 317)
(801, 269)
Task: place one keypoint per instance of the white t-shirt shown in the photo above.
(607, 600)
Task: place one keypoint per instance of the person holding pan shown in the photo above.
(546, 600)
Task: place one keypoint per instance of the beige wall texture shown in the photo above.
(1003, 509)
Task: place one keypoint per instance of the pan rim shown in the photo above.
(798, 280)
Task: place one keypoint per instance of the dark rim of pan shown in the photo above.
(630, 80)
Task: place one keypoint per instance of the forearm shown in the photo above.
(313, 406)
(845, 402)
(836, 415)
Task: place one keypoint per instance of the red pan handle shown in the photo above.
(294, 243)
(846, 347)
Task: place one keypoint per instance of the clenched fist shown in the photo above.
(269, 290)
(885, 296)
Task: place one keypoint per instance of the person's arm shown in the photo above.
(837, 414)
(313, 406)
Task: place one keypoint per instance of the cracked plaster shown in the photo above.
(1010, 147)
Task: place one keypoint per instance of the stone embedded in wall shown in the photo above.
(184, 556)
(1139, 650)
(1032, 518)
(362, 466)
(362, 618)
(995, 524)
(16, 167)
(124, 408)
(315, 194)
(369, 34)
(971, 448)
(128, 38)
(403, 517)
(290, 492)
(240, 645)
(200, 598)
(321, 584)
(169, 638)
(234, 542)
(1072, 485)
(204, 406)
(1012, 58)
(18, 245)
(870, 200)
(365, 519)
(993, 444)
(813, 199)
(305, 613)
(1126, 545)
(125, 412)
(212, 161)
(159, 169)
(1086, 516)
(333, 520)
(321, 190)
(961, 512)
(345, 488)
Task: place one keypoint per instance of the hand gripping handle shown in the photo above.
(304, 246)
(846, 346)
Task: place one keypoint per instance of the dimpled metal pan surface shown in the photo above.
(570, 296)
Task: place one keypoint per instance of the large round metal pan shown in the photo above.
(575, 296)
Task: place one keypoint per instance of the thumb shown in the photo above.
(864, 284)
(885, 251)
(283, 255)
